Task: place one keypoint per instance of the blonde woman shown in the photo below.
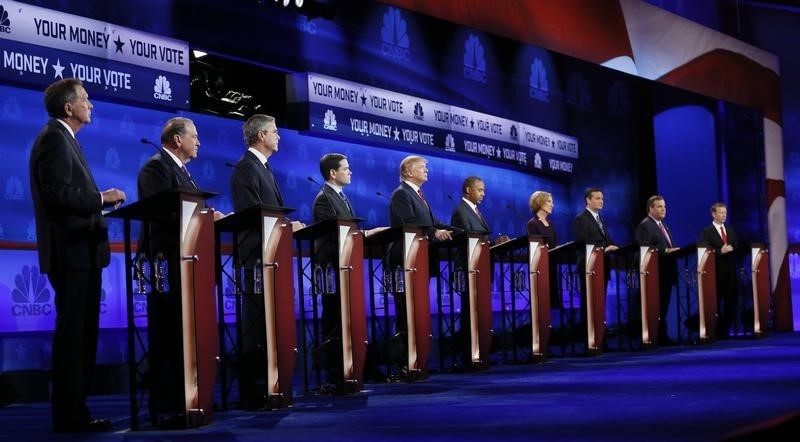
(541, 205)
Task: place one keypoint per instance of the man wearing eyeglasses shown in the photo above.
(253, 182)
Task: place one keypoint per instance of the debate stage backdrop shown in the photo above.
(634, 138)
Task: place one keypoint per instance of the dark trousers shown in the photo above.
(252, 346)
(727, 298)
(165, 346)
(667, 279)
(77, 301)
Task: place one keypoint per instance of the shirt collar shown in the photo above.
(335, 187)
(413, 186)
(472, 205)
(173, 156)
(69, 129)
(717, 225)
(258, 155)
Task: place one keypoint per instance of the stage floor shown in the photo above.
(689, 393)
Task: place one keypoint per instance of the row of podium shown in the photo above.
(462, 267)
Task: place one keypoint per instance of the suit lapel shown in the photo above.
(268, 176)
(78, 154)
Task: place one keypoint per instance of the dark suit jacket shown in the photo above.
(710, 235)
(407, 208)
(71, 232)
(160, 173)
(465, 218)
(328, 205)
(252, 183)
(586, 229)
(649, 234)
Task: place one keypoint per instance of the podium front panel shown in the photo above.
(198, 309)
(279, 314)
(539, 283)
(480, 299)
(648, 285)
(595, 298)
(707, 293)
(418, 314)
(353, 309)
(760, 278)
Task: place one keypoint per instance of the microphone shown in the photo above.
(514, 208)
(229, 164)
(146, 141)
(325, 194)
(382, 196)
(450, 197)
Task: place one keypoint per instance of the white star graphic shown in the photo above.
(396, 134)
(59, 69)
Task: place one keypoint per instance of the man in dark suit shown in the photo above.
(166, 170)
(72, 240)
(331, 203)
(253, 183)
(408, 206)
(724, 241)
(590, 228)
(653, 232)
(466, 216)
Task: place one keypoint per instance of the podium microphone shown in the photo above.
(516, 213)
(325, 194)
(146, 141)
(382, 196)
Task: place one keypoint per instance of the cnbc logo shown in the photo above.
(162, 91)
(329, 121)
(30, 295)
(419, 114)
(474, 60)
(449, 143)
(394, 36)
(539, 87)
(5, 22)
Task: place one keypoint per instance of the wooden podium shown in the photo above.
(595, 298)
(349, 286)
(192, 230)
(535, 255)
(759, 266)
(648, 286)
(277, 286)
(466, 261)
(410, 249)
(707, 292)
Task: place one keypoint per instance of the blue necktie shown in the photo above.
(344, 198)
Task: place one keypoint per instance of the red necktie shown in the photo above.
(666, 235)
(724, 235)
(419, 191)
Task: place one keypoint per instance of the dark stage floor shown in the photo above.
(692, 393)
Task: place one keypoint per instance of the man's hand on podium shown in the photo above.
(610, 248)
(113, 197)
(297, 225)
(218, 215)
(442, 235)
(671, 249)
(373, 231)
